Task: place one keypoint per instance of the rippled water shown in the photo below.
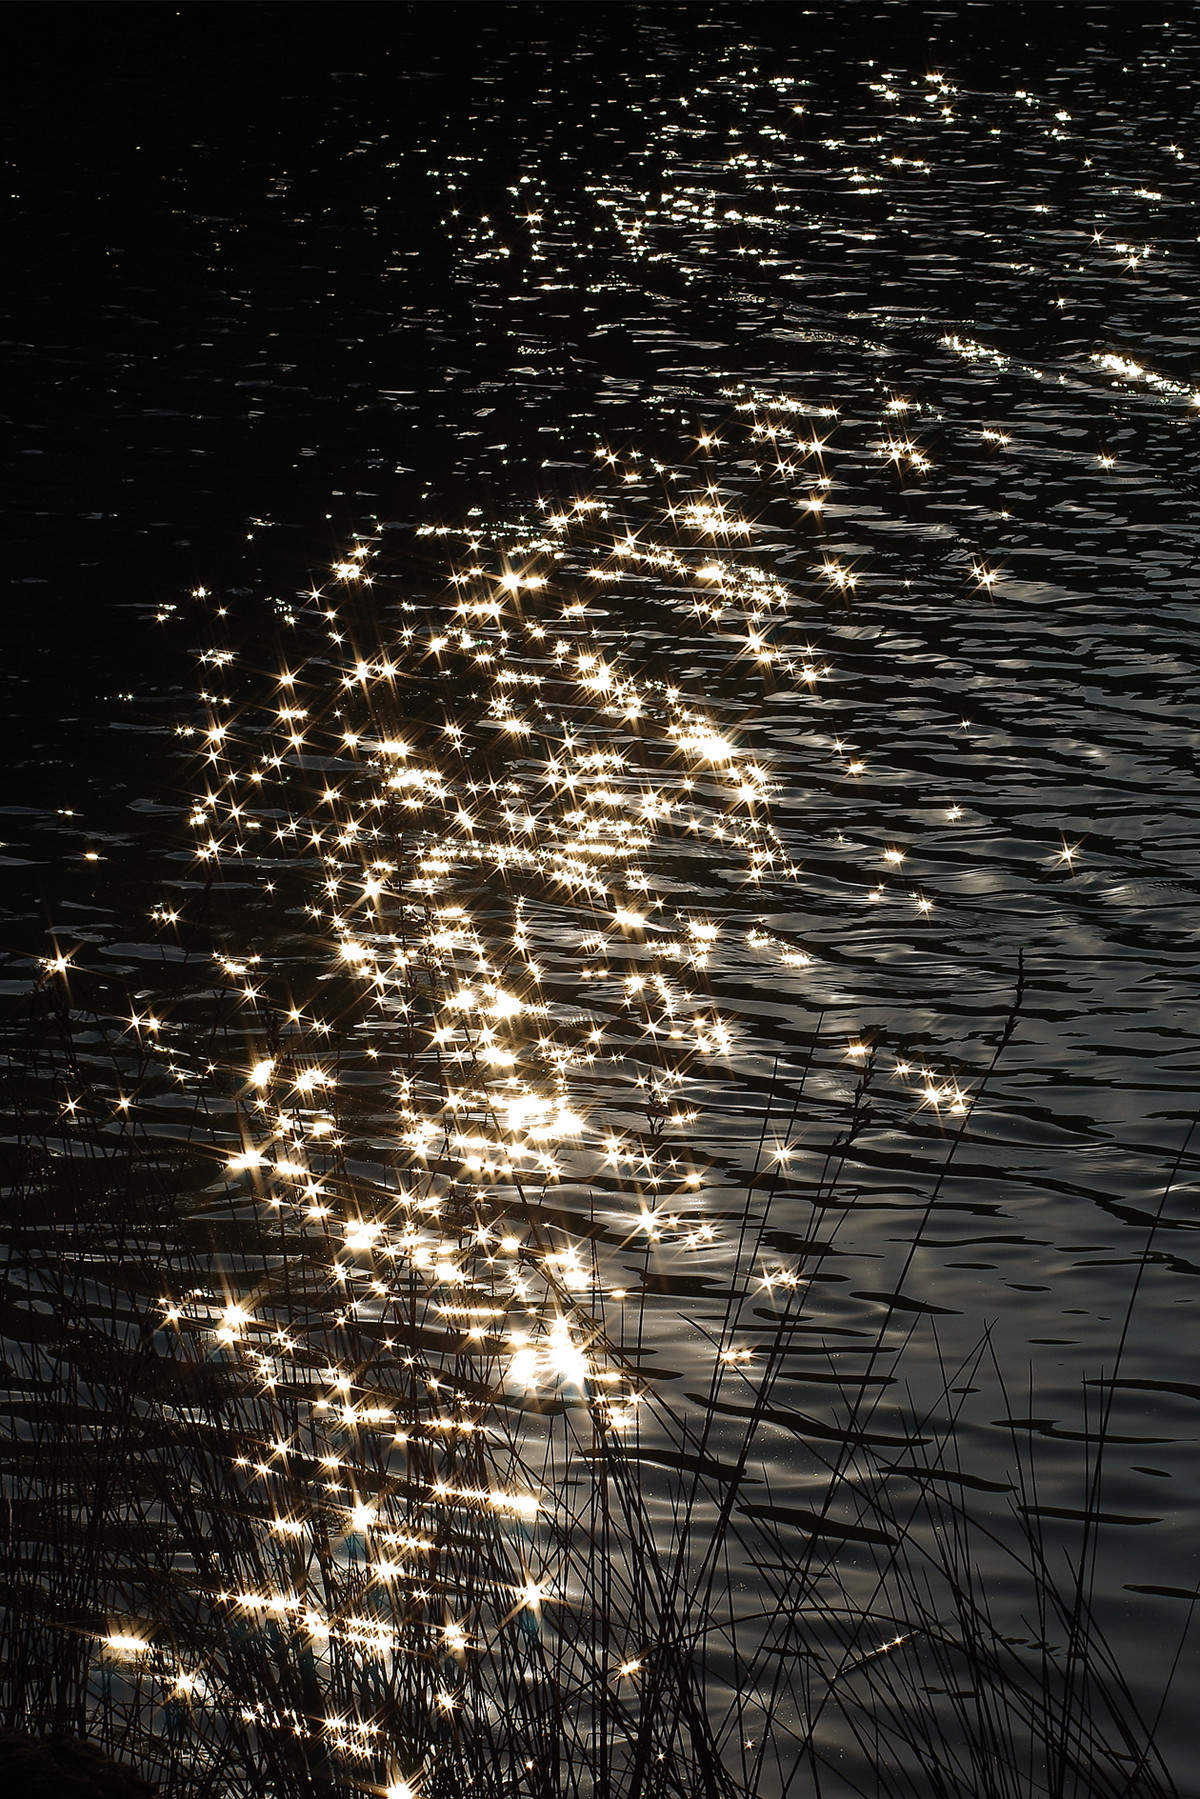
(762, 645)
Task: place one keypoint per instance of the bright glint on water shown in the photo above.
(621, 1229)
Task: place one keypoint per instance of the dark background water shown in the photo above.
(272, 281)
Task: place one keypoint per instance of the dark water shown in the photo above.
(772, 439)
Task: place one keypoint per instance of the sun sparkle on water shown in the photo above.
(522, 881)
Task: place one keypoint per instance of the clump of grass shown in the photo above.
(194, 1537)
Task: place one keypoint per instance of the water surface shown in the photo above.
(745, 473)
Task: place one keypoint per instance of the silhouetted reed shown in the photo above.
(150, 1582)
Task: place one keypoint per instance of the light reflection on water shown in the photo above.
(620, 908)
